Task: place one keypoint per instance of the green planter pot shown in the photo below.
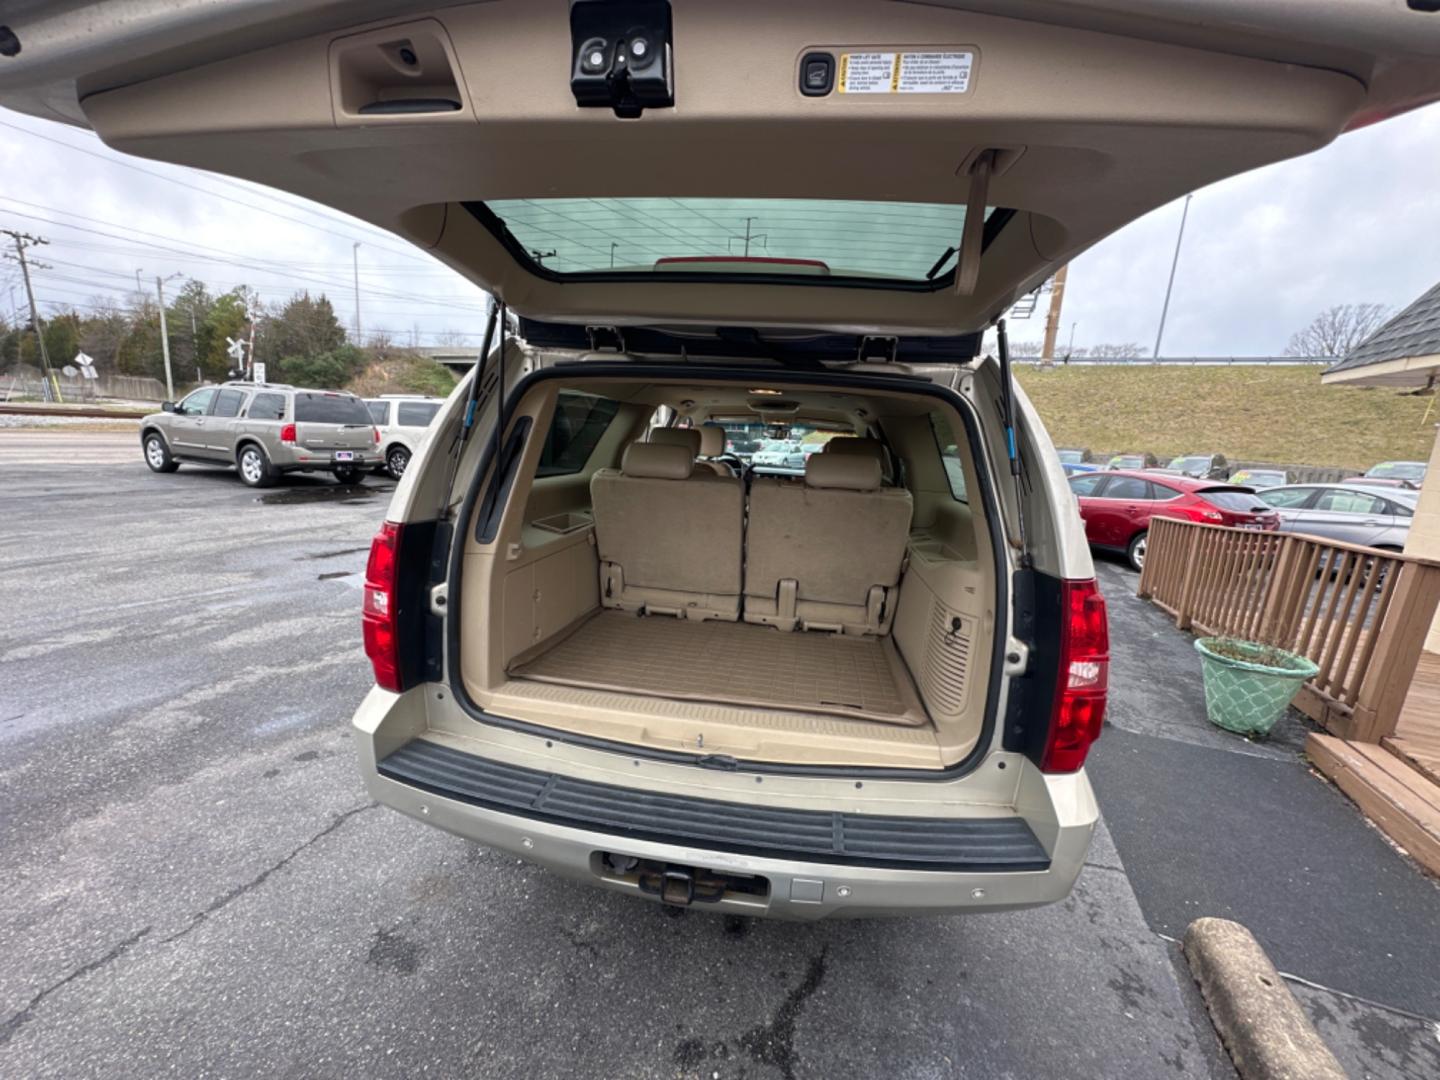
(1248, 695)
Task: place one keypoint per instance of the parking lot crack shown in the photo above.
(221, 902)
(25, 1015)
(773, 1043)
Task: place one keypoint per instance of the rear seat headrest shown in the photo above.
(853, 472)
(849, 444)
(712, 440)
(671, 436)
(657, 461)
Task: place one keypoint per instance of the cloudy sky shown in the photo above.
(1264, 252)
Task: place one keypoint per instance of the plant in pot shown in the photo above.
(1248, 686)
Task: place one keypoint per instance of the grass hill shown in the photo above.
(1262, 413)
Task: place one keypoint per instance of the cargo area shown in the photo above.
(793, 577)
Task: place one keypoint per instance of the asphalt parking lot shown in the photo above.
(195, 883)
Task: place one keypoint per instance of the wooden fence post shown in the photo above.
(1386, 682)
(1277, 591)
(1184, 609)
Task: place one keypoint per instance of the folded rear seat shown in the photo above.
(669, 540)
(826, 554)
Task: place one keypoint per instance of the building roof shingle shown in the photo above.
(1413, 332)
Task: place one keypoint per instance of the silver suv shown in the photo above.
(263, 429)
(402, 420)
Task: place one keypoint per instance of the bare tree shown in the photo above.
(1127, 350)
(1337, 330)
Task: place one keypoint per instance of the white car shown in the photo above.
(403, 421)
(776, 453)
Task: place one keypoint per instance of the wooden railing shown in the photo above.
(1360, 614)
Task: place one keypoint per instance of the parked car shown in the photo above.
(263, 430)
(1117, 507)
(1201, 466)
(1260, 478)
(1074, 457)
(777, 453)
(1133, 461)
(519, 700)
(1348, 512)
(1382, 482)
(1411, 472)
(403, 421)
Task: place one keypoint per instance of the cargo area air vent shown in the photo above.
(405, 73)
(947, 660)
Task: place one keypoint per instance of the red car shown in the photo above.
(1117, 507)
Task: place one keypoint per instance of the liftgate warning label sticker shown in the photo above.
(905, 72)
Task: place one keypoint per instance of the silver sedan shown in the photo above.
(1345, 512)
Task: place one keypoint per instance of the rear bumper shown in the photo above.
(878, 865)
(317, 462)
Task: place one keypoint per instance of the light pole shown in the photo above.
(1165, 309)
(355, 256)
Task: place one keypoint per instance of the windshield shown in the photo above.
(1191, 464)
(1127, 461)
(779, 447)
(1257, 478)
(1398, 470)
(737, 237)
(1071, 457)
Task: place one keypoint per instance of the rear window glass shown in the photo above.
(228, 402)
(806, 238)
(417, 413)
(330, 409)
(379, 411)
(580, 420)
(1241, 502)
(267, 407)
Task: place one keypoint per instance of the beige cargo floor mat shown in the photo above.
(733, 663)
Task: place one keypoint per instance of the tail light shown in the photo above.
(1083, 680)
(382, 642)
(287, 434)
(375, 431)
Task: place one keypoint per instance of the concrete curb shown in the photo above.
(1268, 1035)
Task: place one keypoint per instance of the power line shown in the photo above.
(115, 160)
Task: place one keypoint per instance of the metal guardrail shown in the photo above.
(1183, 361)
(1359, 613)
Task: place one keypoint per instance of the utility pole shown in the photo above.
(1052, 320)
(1165, 310)
(22, 241)
(762, 239)
(165, 335)
(355, 256)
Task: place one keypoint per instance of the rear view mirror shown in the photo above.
(167, 406)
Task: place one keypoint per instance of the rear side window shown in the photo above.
(228, 402)
(1349, 502)
(418, 413)
(1398, 509)
(1287, 498)
(1163, 492)
(379, 412)
(950, 458)
(267, 407)
(1128, 487)
(331, 409)
(580, 420)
